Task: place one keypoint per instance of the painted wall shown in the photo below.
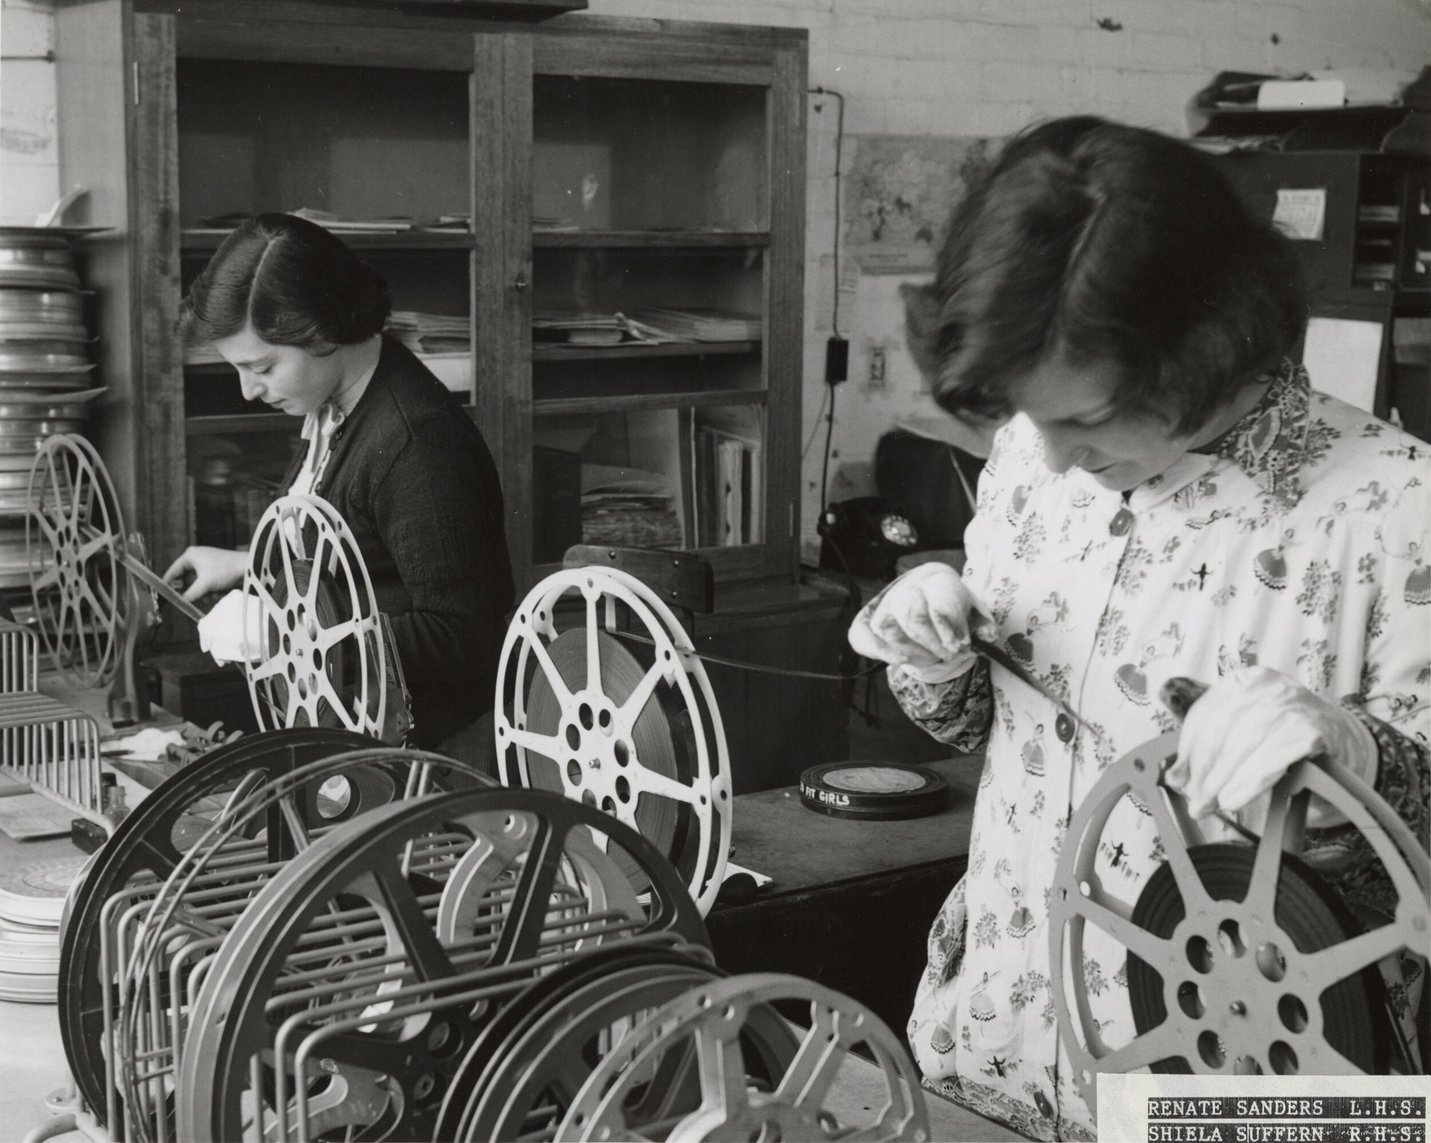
(912, 67)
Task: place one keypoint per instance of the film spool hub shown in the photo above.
(873, 790)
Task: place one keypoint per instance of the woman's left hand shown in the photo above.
(1240, 736)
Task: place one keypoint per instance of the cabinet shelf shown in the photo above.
(241, 423)
(204, 241)
(562, 406)
(560, 352)
(651, 239)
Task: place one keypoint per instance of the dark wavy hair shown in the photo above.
(293, 281)
(1102, 244)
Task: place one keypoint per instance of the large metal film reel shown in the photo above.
(1239, 960)
(165, 937)
(602, 697)
(321, 633)
(523, 1085)
(147, 846)
(691, 1059)
(75, 545)
(347, 995)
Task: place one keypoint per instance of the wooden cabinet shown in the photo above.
(608, 167)
(582, 166)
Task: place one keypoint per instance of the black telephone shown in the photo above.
(864, 537)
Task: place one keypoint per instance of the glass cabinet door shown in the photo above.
(379, 155)
(646, 294)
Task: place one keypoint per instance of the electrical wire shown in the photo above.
(835, 305)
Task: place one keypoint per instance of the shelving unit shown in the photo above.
(1372, 261)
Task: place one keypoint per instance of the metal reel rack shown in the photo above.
(1239, 960)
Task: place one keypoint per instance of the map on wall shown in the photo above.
(901, 189)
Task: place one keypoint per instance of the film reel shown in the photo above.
(75, 548)
(147, 846)
(321, 632)
(1237, 962)
(619, 717)
(336, 1003)
(545, 1011)
(704, 1036)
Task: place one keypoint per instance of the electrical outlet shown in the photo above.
(877, 365)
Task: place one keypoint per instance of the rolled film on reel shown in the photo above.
(75, 546)
(297, 1030)
(606, 701)
(1279, 980)
(322, 660)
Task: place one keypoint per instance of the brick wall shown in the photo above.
(915, 67)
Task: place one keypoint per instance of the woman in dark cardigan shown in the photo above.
(301, 319)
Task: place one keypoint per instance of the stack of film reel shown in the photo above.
(45, 378)
(304, 936)
(32, 901)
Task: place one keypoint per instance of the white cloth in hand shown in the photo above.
(920, 623)
(221, 631)
(1240, 737)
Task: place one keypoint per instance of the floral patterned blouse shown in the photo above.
(1301, 543)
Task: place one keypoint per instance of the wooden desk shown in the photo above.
(852, 900)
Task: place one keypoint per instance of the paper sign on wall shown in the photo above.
(1301, 214)
(1342, 356)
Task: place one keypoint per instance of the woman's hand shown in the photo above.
(921, 622)
(1241, 734)
(206, 570)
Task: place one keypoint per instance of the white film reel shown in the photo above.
(75, 546)
(323, 661)
(602, 697)
(1240, 959)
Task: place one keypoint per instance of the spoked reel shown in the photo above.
(602, 697)
(710, 1065)
(352, 988)
(326, 657)
(75, 547)
(1240, 961)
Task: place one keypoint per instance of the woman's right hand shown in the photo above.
(202, 571)
(921, 622)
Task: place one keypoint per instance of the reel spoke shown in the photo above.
(549, 671)
(1112, 919)
(1326, 967)
(414, 929)
(1174, 845)
(1165, 1042)
(641, 693)
(647, 781)
(593, 644)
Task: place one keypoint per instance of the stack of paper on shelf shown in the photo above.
(578, 327)
(430, 333)
(627, 506)
(330, 221)
(698, 324)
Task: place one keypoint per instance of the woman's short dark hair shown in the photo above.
(293, 281)
(1099, 243)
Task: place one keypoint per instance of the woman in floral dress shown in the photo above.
(1166, 498)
